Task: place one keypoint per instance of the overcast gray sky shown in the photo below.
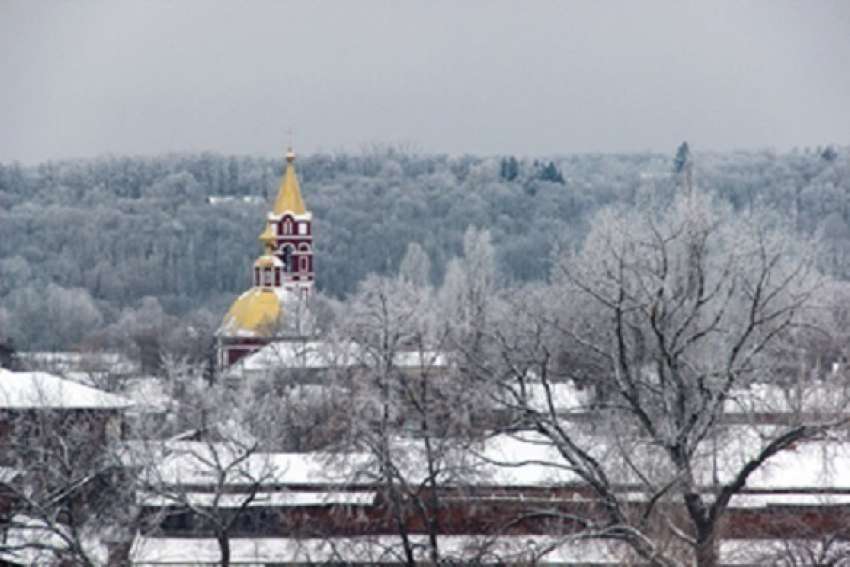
(83, 78)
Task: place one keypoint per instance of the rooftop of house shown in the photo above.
(517, 460)
(383, 549)
(40, 390)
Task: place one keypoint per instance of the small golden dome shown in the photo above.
(267, 261)
(254, 314)
(267, 238)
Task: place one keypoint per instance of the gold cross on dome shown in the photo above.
(290, 134)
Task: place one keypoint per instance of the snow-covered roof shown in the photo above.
(522, 459)
(786, 498)
(816, 464)
(79, 362)
(261, 500)
(39, 390)
(320, 355)
(819, 398)
(786, 551)
(504, 460)
(297, 354)
(149, 394)
(564, 397)
(195, 463)
(480, 549)
(823, 399)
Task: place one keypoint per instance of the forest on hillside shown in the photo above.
(93, 250)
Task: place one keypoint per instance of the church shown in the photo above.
(277, 306)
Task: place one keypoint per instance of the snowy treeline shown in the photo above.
(93, 238)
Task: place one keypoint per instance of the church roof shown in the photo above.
(289, 195)
(268, 260)
(253, 314)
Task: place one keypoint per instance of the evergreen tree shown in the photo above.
(683, 167)
(509, 168)
(682, 159)
(829, 154)
(552, 174)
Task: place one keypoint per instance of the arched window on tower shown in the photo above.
(287, 227)
(288, 260)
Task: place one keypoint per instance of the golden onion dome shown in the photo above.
(254, 314)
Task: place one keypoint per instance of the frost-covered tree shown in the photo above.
(468, 290)
(406, 408)
(666, 315)
(415, 267)
(51, 317)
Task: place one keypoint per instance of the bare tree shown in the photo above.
(407, 409)
(665, 315)
(211, 477)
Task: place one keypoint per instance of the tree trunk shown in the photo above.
(224, 548)
(707, 550)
